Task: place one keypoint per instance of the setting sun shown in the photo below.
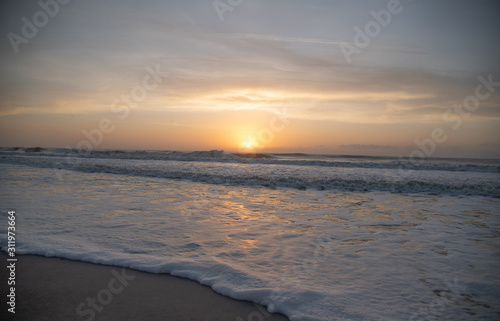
(292, 165)
(249, 143)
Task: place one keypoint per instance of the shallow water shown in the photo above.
(310, 254)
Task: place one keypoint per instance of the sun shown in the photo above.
(248, 143)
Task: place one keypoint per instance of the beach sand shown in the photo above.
(53, 288)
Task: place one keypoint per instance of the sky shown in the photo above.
(387, 77)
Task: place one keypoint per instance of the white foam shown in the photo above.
(312, 255)
(217, 167)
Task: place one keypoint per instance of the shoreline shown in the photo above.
(51, 288)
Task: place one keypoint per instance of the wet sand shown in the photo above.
(60, 289)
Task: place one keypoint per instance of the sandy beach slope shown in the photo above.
(54, 289)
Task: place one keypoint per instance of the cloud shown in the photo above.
(370, 147)
(268, 37)
(93, 52)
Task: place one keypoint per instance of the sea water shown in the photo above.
(314, 237)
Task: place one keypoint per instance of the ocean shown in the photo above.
(315, 237)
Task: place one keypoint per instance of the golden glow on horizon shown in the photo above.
(249, 143)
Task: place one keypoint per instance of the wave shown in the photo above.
(246, 172)
(297, 159)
